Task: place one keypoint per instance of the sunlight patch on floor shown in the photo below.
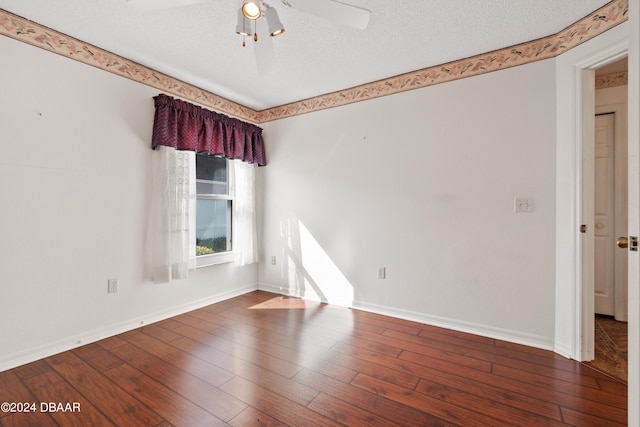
(285, 303)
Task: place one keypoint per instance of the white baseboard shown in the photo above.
(563, 350)
(54, 347)
(517, 337)
(508, 335)
(301, 294)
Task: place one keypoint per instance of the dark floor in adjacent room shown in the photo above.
(611, 346)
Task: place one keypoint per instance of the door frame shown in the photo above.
(585, 122)
(575, 109)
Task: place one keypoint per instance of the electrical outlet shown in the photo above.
(112, 285)
(382, 272)
(273, 260)
(523, 204)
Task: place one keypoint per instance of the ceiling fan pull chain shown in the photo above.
(255, 31)
(244, 31)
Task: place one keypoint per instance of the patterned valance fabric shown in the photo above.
(185, 126)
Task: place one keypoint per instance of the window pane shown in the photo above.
(211, 175)
(213, 226)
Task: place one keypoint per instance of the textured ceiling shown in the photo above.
(197, 43)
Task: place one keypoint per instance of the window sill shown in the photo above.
(214, 259)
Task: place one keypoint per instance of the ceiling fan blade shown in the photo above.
(334, 11)
(263, 49)
(150, 5)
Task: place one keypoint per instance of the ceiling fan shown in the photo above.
(259, 20)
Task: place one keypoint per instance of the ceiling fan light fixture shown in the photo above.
(275, 26)
(251, 9)
(243, 27)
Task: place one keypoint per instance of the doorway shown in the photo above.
(609, 262)
(575, 75)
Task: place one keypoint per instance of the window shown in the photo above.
(213, 210)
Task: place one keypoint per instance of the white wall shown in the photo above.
(422, 183)
(74, 179)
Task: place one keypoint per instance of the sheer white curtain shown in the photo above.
(245, 245)
(173, 225)
(172, 219)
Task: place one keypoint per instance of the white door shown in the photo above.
(604, 215)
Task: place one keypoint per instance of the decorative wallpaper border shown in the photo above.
(40, 36)
(612, 80)
(605, 18)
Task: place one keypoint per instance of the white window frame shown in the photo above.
(228, 256)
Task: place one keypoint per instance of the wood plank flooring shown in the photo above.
(265, 360)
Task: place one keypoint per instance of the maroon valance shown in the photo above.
(185, 126)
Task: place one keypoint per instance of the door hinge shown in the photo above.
(583, 228)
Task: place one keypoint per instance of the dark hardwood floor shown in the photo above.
(263, 359)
